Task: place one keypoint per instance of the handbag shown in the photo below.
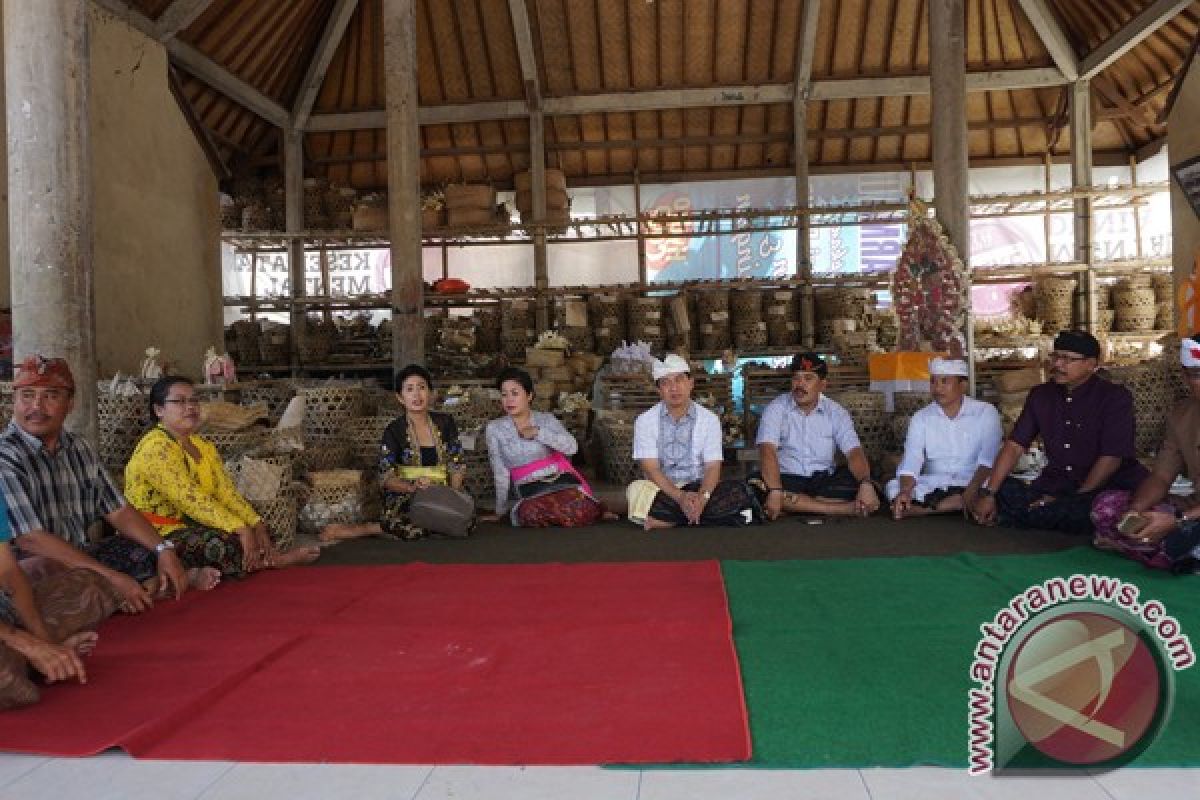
(443, 510)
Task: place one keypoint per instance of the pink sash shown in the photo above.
(557, 460)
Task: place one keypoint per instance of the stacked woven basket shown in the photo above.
(781, 313)
(606, 313)
(1135, 304)
(558, 205)
(1054, 303)
(122, 419)
(646, 323)
(713, 312)
(1164, 298)
(616, 438)
(871, 421)
(470, 205)
(517, 327)
(747, 323)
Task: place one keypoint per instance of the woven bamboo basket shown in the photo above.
(616, 437)
(900, 423)
(274, 346)
(6, 402)
(328, 409)
(260, 479)
(874, 429)
(322, 453)
(646, 322)
(274, 395)
(122, 421)
(1103, 297)
(327, 505)
(1154, 393)
(365, 435)
(280, 516)
(1164, 320)
(1105, 317)
(910, 402)
(255, 216)
(606, 315)
(749, 335)
(478, 480)
(711, 300)
(318, 341)
(1136, 309)
(245, 337)
(746, 303)
(860, 401)
(234, 444)
(782, 329)
(1138, 281)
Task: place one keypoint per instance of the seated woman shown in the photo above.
(176, 479)
(420, 449)
(529, 450)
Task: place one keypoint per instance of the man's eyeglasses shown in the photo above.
(189, 402)
(1066, 358)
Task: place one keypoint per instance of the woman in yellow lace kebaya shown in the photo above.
(177, 480)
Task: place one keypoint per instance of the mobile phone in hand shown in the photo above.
(1132, 524)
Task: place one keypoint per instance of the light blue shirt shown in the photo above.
(806, 443)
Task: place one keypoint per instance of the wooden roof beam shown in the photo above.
(713, 97)
(1052, 36)
(524, 37)
(314, 76)
(1124, 40)
(178, 17)
(201, 66)
(806, 45)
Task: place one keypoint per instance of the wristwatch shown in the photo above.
(164, 546)
(1180, 517)
(706, 495)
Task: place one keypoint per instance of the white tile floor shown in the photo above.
(114, 776)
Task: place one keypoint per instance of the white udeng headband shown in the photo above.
(1189, 353)
(948, 366)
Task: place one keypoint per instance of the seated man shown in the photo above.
(1086, 426)
(797, 437)
(1165, 532)
(678, 445)
(950, 447)
(48, 627)
(56, 487)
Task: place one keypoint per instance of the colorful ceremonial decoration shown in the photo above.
(930, 288)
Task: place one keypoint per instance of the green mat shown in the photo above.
(864, 663)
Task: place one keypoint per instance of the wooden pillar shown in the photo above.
(948, 93)
(641, 234)
(46, 65)
(537, 174)
(404, 181)
(293, 192)
(803, 228)
(1081, 177)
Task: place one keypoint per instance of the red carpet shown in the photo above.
(476, 664)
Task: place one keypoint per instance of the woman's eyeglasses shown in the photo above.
(189, 402)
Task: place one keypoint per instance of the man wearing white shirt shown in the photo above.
(950, 447)
(679, 447)
(798, 436)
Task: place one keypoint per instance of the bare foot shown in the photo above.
(339, 531)
(203, 578)
(83, 643)
(295, 557)
(655, 524)
(609, 516)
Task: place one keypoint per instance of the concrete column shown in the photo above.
(293, 192)
(46, 69)
(537, 174)
(803, 229)
(948, 93)
(1081, 177)
(404, 181)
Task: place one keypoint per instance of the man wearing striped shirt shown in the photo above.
(56, 487)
